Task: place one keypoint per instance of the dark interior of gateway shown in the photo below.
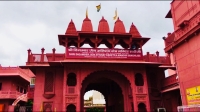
(111, 91)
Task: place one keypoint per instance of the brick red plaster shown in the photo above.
(119, 26)
(71, 29)
(103, 25)
(87, 25)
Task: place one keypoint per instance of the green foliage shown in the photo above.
(95, 109)
(29, 103)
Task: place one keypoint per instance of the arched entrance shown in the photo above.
(113, 85)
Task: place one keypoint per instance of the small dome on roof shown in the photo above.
(103, 25)
(71, 29)
(133, 30)
(119, 27)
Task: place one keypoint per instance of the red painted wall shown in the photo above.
(188, 59)
(187, 54)
(184, 10)
(61, 100)
(39, 90)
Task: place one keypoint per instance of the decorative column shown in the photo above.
(79, 41)
(96, 42)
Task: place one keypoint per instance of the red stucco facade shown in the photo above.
(184, 45)
(14, 82)
(129, 81)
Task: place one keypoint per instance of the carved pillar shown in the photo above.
(66, 47)
(53, 57)
(64, 88)
(127, 105)
(130, 42)
(79, 41)
(42, 56)
(146, 91)
(113, 43)
(96, 42)
(141, 43)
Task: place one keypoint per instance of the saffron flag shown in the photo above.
(115, 17)
(87, 13)
(98, 7)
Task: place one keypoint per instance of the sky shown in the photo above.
(36, 24)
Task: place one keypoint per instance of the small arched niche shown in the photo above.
(139, 79)
(71, 79)
(142, 107)
(71, 108)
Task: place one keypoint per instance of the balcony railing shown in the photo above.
(156, 58)
(171, 80)
(10, 95)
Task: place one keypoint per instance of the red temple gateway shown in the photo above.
(129, 80)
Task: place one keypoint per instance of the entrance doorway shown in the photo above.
(113, 86)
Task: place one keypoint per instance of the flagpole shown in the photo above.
(100, 10)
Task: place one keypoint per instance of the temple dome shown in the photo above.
(119, 27)
(103, 25)
(133, 30)
(71, 29)
(87, 25)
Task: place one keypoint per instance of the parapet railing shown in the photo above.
(10, 95)
(156, 58)
(45, 57)
(170, 39)
(57, 57)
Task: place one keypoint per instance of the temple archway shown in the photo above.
(113, 85)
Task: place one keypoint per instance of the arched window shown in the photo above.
(71, 108)
(139, 80)
(47, 107)
(49, 82)
(71, 79)
(142, 107)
